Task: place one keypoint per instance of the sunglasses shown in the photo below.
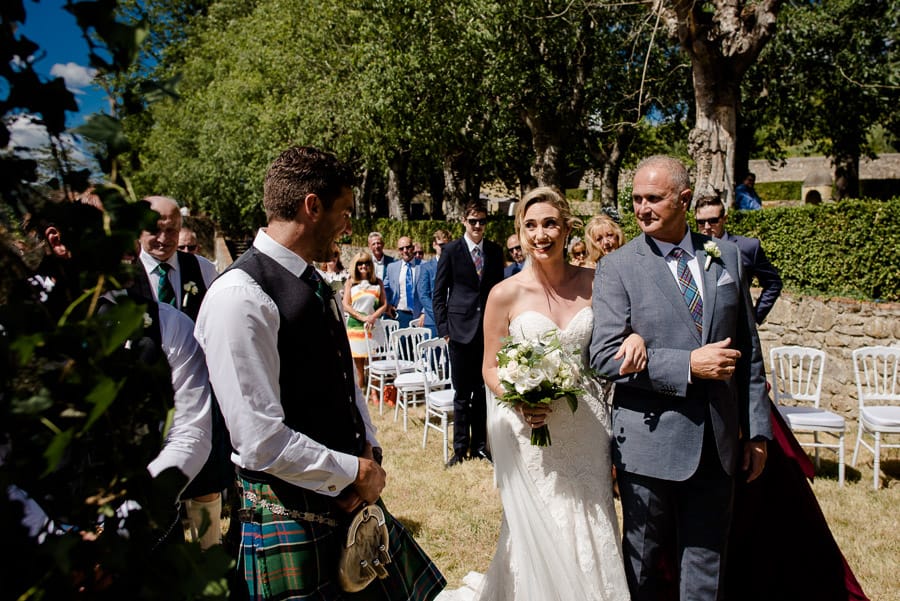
(473, 222)
(407, 247)
(579, 253)
(420, 253)
(187, 247)
(441, 244)
(711, 221)
(515, 249)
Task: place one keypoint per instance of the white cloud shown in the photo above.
(75, 75)
(30, 139)
(26, 133)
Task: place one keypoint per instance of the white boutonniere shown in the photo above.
(190, 289)
(712, 252)
(148, 321)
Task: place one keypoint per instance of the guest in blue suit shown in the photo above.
(400, 284)
(425, 283)
(516, 257)
(710, 215)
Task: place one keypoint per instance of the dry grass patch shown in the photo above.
(455, 513)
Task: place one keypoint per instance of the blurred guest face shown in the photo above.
(605, 238)
(162, 243)
(187, 241)
(376, 245)
(711, 220)
(418, 251)
(515, 249)
(405, 246)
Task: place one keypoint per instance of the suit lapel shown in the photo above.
(654, 265)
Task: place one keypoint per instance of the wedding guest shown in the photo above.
(400, 285)
(280, 363)
(333, 272)
(418, 251)
(187, 241)
(364, 303)
(381, 260)
(578, 253)
(745, 196)
(516, 257)
(602, 235)
(710, 215)
(697, 417)
(469, 267)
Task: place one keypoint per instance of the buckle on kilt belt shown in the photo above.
(245, 514)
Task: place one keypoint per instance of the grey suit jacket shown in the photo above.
(658, 415)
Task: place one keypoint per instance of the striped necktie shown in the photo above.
(478, 259)
(689, 288)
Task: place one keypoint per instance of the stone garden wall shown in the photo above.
(837, 326)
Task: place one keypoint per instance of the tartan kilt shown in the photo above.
(282, 558)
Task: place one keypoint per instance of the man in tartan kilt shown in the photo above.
(280, 365)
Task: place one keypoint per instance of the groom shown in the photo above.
(698, 415)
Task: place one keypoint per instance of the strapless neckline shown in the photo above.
(549, 319)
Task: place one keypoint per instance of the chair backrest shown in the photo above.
(405, 342)
(378, 344)
(877, 377)
(435, 355)
(797, 373)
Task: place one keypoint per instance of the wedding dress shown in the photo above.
(559, 539)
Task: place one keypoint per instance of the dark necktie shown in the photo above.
(409, 286)
(322, 290)
(479, 261)
(689, 288)
(164, 290)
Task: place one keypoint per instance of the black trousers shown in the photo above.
(469, 408)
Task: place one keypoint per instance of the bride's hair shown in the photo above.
(552, 197)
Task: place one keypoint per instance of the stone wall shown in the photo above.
(837, 326)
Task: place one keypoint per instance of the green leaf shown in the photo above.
(56, 450)
(101, 397)
(106, 130)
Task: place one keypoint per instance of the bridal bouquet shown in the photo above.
(535, 372)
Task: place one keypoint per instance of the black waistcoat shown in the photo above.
(316, 372)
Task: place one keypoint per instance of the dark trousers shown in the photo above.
(469, 408)
(691, 518)
(404, 318)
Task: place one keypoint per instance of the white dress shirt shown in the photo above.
(189, 440)
(238, 329)
(150, 263)
(672, 263)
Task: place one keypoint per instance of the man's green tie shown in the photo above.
(164, 290)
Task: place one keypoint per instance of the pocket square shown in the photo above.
(724, 278)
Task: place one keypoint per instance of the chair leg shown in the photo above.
(444, 429)
(816, 449)
(841, 460)
(856, 448)
(877, 458)
(425, 435)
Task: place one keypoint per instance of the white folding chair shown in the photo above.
(878, 389)
(797, 387)
(410, 384)
(381, 365)
(438, 390)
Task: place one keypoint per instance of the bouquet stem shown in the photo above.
(540, 437)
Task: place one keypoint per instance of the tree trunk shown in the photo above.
(457, 183)
(612, 166)
(398, 204)
(723, 38)
(846, 177)
(547, 166)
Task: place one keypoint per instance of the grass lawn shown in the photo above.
(455, 513)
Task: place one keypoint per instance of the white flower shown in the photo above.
(712, 252)
(148, 321)
(190, 289)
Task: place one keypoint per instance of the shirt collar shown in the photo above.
(285, 257)
(471, 244)
(150, 262)
(686, 244)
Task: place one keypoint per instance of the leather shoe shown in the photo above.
(456, 459)
(484, 454)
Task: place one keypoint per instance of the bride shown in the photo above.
(559, 538)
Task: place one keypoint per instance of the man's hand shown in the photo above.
(714, 361)
(755, 454)
(370, 480)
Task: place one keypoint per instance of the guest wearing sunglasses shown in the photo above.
(469, 267)
(516, 257)
(709, 213)
(578, 253)
(400, 284)
(187, 241)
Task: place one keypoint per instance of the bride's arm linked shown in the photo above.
(634, 351)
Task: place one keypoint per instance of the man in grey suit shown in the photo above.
(685, 425)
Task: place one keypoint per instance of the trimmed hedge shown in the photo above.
(849, 249)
